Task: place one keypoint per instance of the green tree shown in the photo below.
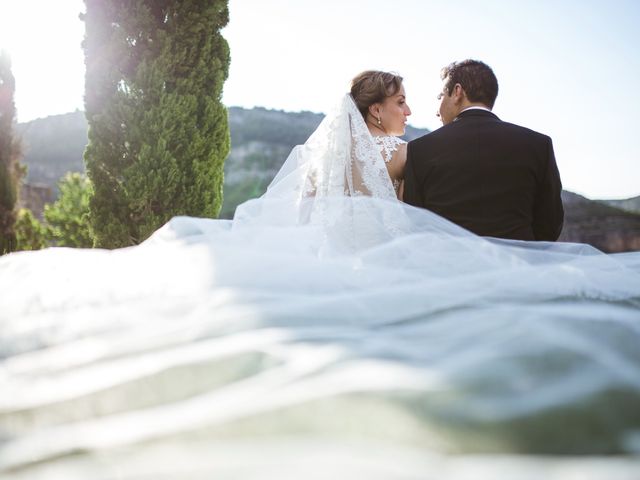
(10, 169)
(68, 217)
(30, 233)
(158, 132)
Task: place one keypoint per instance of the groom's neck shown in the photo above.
(466, 105)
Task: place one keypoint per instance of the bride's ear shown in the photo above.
(375, 110)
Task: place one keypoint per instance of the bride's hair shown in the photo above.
(373, 86)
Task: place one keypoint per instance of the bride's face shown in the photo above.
(394, 112)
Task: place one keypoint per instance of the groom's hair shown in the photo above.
(476, 79)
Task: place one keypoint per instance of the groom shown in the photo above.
(491, 177)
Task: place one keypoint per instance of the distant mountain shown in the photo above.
(604, 226)
(261, 140)
(53, 146)
(628, 204)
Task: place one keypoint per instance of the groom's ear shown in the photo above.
(458, 93)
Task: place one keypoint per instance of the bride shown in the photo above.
(356, 150)
(326, 315)
(381, 99)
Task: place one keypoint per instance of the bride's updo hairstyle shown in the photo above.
(373, 86)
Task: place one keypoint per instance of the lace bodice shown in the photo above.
(387, 145)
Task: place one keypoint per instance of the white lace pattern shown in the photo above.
(387, 145)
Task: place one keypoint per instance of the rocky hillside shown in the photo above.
(600, 224)
(261, 140)
(628, 204)
(53, 146)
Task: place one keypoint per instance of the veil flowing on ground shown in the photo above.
(327, 331)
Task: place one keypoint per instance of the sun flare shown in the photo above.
(43, 40)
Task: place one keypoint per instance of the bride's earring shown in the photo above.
(379, 121)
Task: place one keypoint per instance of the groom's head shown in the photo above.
(466, 84)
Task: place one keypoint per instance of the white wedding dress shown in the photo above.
(327, 331)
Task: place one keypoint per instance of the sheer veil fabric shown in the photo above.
(327, 314)
(339, 159)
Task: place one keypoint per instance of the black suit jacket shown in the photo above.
(491, 177)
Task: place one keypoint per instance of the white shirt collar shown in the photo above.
(476, 108)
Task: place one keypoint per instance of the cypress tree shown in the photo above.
(158, 132)
(10, 169)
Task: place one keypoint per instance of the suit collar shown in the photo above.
(476, 112)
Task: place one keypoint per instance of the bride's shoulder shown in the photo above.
(389, 145)
(390, 140)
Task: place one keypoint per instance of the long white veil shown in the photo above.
(327, 314)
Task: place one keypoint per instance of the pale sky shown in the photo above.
(567, 68)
